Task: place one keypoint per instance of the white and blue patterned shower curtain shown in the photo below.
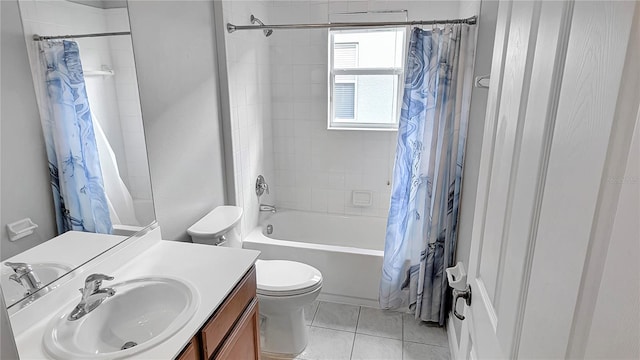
(421, 229)
(74, 166)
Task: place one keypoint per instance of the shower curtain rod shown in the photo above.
(470, 21)
(37, 37)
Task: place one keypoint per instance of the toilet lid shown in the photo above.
(286, 278)
(216, 222)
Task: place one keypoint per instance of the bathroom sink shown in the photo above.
(143, 313)
(46, 272)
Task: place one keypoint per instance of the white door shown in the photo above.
(555, 78)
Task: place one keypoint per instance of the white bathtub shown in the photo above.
(347, 250)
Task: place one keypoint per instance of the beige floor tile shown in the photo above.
(328, 344)
(377, 322)
(367, 347)
(415, 351)
(424, 333)
(336, 316)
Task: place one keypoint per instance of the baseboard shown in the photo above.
(349, 300)
(453, 338)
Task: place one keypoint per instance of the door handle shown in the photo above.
(465, 294)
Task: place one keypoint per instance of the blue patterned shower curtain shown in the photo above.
(74, 166)
(427, 176)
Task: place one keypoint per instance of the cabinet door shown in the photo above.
(244, 340)
(220, 325)
(191, 352)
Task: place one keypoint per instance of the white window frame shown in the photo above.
(398, 71)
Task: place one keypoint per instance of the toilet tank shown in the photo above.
(218, 227)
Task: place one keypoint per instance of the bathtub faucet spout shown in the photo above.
(266, 207)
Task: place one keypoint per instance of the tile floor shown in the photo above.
(339, 331)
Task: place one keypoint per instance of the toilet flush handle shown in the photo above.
(221, 241)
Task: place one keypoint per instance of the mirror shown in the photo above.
(110, 80)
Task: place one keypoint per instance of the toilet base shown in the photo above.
(274, 356)
(283, 331)
(285, 334)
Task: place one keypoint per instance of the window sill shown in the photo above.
(361, 128)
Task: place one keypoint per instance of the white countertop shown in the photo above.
(213, 271)
(85, 246)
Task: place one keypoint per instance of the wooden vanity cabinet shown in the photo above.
(243, 342)
(232, 332)
(191, 351)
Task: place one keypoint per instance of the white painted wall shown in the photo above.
(175, 51)
(248, 96)
(315, 168)
(25, 190)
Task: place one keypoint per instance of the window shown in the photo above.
(365, 70)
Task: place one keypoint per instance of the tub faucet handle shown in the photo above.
(261, 186)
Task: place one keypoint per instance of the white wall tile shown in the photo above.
(328, 162)
(319, 200)
(253, 85)
(336, 180)
(335, 201)
(319, 179)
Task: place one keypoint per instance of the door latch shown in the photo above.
(465, 294)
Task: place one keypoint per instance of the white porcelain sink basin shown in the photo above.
(46, 272)
(144, 312)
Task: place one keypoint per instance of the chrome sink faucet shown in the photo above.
(24, 275)
(92, 295)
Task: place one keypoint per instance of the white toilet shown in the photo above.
(283, 287)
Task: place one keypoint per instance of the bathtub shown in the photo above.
(348, 250)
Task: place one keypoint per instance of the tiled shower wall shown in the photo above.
(247, 61)
(317, 169)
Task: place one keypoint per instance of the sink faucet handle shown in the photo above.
(19, 268)
(92, 295)
(24, 275)
(98, 277)
(93, 281)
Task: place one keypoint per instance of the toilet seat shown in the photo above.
(286, 278)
